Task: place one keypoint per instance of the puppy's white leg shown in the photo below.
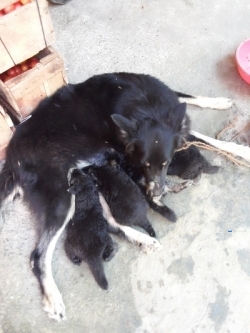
(146, 242)
(230, 147)
(219, 103)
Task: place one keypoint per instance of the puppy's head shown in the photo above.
(150, 143)
(79, 181)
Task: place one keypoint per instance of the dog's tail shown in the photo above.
(97, 269)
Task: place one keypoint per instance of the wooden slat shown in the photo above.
(46, 22)
(55, 82)
(5, 60)
(47, 55)
(6, 93)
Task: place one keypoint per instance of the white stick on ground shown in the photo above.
(230, 147)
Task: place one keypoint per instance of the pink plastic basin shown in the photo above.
(243, 60)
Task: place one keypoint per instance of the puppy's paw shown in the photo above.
(166, 212)
(110, 251)
(53, 304)
(151, 231)
(162, 209)
(169, 214)
(76, 260)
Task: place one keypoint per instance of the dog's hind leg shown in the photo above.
(41, 257)
(219, 103)
(229, 147)
(146, 242)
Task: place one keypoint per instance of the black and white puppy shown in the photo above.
(87, 236)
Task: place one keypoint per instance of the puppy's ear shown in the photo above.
(72, 189)
(127, 126)
(178, 114)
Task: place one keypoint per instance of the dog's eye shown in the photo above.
(147, 165)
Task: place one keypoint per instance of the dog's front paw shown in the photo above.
(176, 187)
(53, 304)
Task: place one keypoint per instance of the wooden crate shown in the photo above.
(24, 32)
(25, 91)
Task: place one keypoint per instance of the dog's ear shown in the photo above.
(179, 113)
(127, 126)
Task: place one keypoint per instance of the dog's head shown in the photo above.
(151, 144)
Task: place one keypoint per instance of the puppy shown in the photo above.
(194, 167)
(87, 237)
(127, 204)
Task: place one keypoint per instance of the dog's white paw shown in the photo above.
(149, 244)
(222, 103)
(53, 304)
(219, 103)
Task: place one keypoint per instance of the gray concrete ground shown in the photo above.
(199, 281)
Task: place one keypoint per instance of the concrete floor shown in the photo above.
(199, 281)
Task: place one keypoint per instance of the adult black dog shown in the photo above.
(137, 114)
